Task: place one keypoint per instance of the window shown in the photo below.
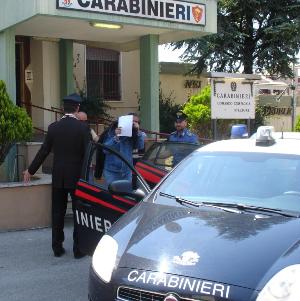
(102, 71)
(264, 91)
(277, 92)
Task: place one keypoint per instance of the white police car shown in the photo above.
(223, 225)
(279, 135)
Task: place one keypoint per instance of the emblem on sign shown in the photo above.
(67, 3)
(186, 258)
(170, 298)
(233, 86)
(197, 13)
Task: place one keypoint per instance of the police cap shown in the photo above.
(75, 98)
(180, 116)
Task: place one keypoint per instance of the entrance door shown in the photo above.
(23, 95)
(95, 208)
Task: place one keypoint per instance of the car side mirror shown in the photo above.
(124, 188)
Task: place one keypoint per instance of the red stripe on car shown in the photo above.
(124, 200)
(148, 176)
(89, 187)
(98, 201)
(142, 165)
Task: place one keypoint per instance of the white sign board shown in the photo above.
(232, 99)
(164, 10)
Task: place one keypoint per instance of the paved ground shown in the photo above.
(29, 271)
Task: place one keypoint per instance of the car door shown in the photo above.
(95, 208)
(161, 158)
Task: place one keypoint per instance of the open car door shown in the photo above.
(160, 158)
(95, 208)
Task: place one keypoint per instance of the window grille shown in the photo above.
(102, 71)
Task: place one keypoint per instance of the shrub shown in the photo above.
(15, 124)
(297, 126)
(167, 111)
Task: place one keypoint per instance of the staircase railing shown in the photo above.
(103, 121)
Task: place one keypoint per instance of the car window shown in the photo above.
(151, 154)
(94, 172)
(252, 178)
(166, 155)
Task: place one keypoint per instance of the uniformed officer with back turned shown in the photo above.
(68, 139)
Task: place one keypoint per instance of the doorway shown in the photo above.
(23, 95)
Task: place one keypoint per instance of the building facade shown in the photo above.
(37, 44)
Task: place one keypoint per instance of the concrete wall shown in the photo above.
(174, 85)
(45, 88)
(130, 84)
(51, 79)
(79, 66)
(282, 122)
(37, 93)
(25, 207)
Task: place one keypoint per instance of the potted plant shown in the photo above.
(15, 124)
(21, 206)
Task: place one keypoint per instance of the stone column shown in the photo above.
(67, 85)
(149, 82)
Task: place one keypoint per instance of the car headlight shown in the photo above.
(284, 286)
(104, 258)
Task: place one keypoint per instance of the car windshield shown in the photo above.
(254, 179)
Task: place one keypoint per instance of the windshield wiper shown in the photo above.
(179, 199)
(182, 201)
(230, 207)
(243, 207)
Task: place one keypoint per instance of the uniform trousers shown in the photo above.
(59, 207)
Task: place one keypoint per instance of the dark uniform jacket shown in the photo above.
(68, 139)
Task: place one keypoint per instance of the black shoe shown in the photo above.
(59, 252)
(78, 254)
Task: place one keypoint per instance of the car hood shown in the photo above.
(238, 249)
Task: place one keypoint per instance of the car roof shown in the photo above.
(282, 135)
(281, 146)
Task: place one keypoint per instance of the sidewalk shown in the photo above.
(29, 271)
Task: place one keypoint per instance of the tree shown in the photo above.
(167, 111)
(199, 114)
(95, 108)
(15, 124)
(256, 35)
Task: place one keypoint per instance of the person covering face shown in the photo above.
(114, 168)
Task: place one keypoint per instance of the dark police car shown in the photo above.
(223, 225)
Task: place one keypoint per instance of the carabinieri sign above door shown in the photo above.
(163, 10)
